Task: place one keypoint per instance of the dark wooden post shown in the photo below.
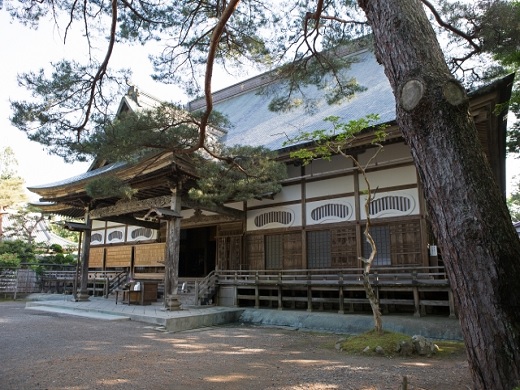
(341, 294)
(173, 237)
(85, 254)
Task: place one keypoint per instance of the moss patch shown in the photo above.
(389, 341)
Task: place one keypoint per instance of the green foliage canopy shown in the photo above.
(247, 173)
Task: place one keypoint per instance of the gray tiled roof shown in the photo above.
(84, 176)
(255, 125)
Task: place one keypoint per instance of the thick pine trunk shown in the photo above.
(468, 212)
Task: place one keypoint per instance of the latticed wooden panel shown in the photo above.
(221, 253)
(235, 252)
(118, 256)
(344, 247)
(405, 243)
(149, 255)
(255, 251)
(292, 250)
(95, 258)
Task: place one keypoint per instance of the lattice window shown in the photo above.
(115, 235)
(274, 251)
(336, 210)
(319, 249)
(142, 232)
(398, 203)
(406, 243)
(255, 251)
(344, 247)
(96, 237)
(281, 217)
(381, 236)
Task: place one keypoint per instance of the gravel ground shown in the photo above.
(42, 350)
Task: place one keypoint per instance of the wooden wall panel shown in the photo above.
(292, 250)
(95, 259)
(118, 256)
(149, 255)
(255, 252)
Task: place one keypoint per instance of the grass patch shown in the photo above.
(389, 340)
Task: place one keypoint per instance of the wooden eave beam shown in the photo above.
(127, 220)
(223, 210)
(131, 207)
(162, 213)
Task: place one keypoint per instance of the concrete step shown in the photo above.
(79, 313)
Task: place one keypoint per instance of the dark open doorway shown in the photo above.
(197, 252)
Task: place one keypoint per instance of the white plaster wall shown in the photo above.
(411, 194)
(390, 178)
(96, 224)
(393, 152)
(98, 242)
(338, 185)
(293, 171)
(349, 202)
(288, 194)
(112, 224)
(294, 210)
(131, 229)
(116, 240)
(323, 165)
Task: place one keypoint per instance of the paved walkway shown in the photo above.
(192, 317)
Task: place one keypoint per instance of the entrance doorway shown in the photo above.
(197, 252)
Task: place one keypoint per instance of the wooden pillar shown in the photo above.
(171, 265)
(85, 253)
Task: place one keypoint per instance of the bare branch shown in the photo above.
(101, 70)
(215, 38)
(462, 34)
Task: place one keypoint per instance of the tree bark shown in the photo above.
(468, 212)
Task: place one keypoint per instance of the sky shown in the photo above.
(24, 50)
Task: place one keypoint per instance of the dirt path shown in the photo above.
(48, 351)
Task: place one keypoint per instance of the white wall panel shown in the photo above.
(338, 185)
(390, 177)
(393, 152)
(138, 233)
(115, 235)
(330, 211)
(392, 204)
(288, 194)
(275, 217)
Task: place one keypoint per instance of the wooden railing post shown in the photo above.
(257, 292)
(451, 304)
(416, 302)
(309, 291)
(341, 294)
(280, 291)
